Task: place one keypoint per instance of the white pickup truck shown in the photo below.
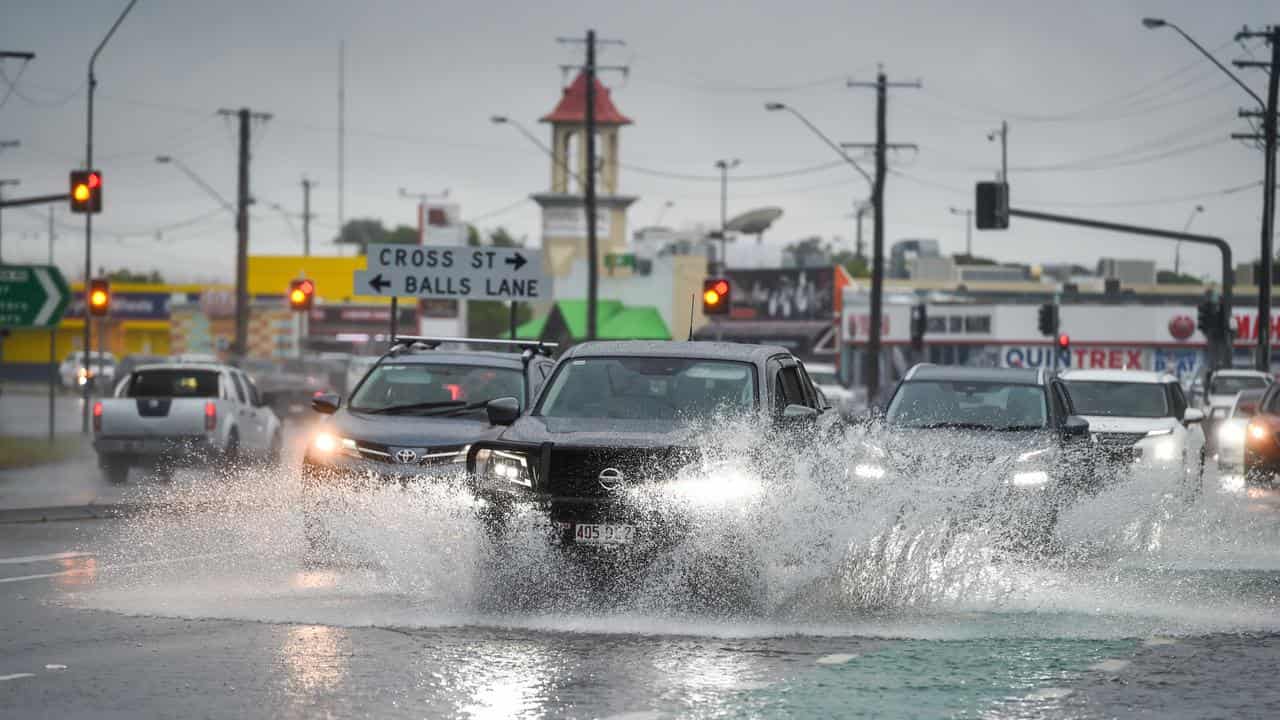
(171, 415)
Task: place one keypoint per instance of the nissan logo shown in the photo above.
(611, 479)
(406, 456)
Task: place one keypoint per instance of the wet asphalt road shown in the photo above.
(64, 658)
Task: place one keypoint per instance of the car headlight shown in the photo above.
(501, 466)
(716, 485)
(868, 471)
(1164, 449)
(1158, 433)
(1257, 432)
(1029, 479)
(1232, 434)
(326, 443)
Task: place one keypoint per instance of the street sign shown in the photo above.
(454, 272)
(32, 296)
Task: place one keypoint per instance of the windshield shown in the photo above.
(1232, 384)
(95, 358)
(979, 405)
(1119, 399)
(423, 386)
(174, 384)
(824, 377)
(650, 388)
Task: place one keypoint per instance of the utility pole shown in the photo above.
(589, 189)
(881, 85)
(1268, 112)
(724, 166)
(342, 133)
(306, 217)
(243, 200)
(1003, 134)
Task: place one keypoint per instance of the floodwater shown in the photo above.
(806, 591)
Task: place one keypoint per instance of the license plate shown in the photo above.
(604, 534)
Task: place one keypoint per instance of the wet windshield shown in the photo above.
(1232, 384)
(650, 388)
(965, 404)
(1119, 399)
(425, 387)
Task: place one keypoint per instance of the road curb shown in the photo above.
(66, 513)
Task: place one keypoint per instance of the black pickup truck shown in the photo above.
(618, 421)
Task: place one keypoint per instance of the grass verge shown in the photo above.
(20, 452)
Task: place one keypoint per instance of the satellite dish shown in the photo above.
(754, 222)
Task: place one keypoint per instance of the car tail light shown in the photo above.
(210, 415)
(97, 416)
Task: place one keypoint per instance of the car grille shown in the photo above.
(1118, 445)
(427, 457)
(576, 471)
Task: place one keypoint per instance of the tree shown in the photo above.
(402, 235)
(1168, 277)
(498, 237)
(362, 232)
(856, 266)
(125, 275)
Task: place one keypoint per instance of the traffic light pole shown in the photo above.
(1222, 246)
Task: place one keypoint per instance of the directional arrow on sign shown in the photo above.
(378, 284)
(32, 296)
(517, 261)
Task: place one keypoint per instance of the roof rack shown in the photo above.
(431, 343)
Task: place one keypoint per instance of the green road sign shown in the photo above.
(32, 296)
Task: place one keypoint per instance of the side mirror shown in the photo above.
(326, 403)
(1192, 415)
(502, 411)
(799, 413)
(1075, 427)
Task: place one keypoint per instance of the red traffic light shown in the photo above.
(99, 297)
(1064, 341)
(86, 191)
(716, 296)
(301, 294)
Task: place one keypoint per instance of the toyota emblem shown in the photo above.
(406, 456)
(611, 479)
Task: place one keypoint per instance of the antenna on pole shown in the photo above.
(693, 303)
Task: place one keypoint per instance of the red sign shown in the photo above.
(1182, 327)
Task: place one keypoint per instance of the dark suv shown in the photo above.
(1009, 433)
(620, 419)
(415, 414)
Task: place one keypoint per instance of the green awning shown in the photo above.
(635, 323)
(531, 330)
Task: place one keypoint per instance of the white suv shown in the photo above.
(1141, 417)
(1224, 385)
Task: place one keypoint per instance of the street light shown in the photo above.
(504, 120)
(170, 160)
(1177, 249)
(776, 106)
(724, 166)
(1262, 360)
(968, 230)
(877, 251)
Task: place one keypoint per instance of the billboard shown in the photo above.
(783, 294)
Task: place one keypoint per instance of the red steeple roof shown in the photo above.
(573, 105)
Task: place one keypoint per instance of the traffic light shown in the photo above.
(716, 294)
(1208, 318)
(99, 297)
(1049, 319)
(991, 206)
(919, 323)
(302, 293)
(86, 191)
(1064, 342)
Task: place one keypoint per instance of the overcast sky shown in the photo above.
(1107, 119)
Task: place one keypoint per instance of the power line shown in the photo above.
(744, 178)
(494, 213)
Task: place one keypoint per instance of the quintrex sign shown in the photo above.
(452, 272)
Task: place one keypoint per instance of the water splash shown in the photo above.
(814, 548)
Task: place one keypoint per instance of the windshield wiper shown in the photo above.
(412, 406)
(1016, 428)
(953, 426)
(460, 409)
